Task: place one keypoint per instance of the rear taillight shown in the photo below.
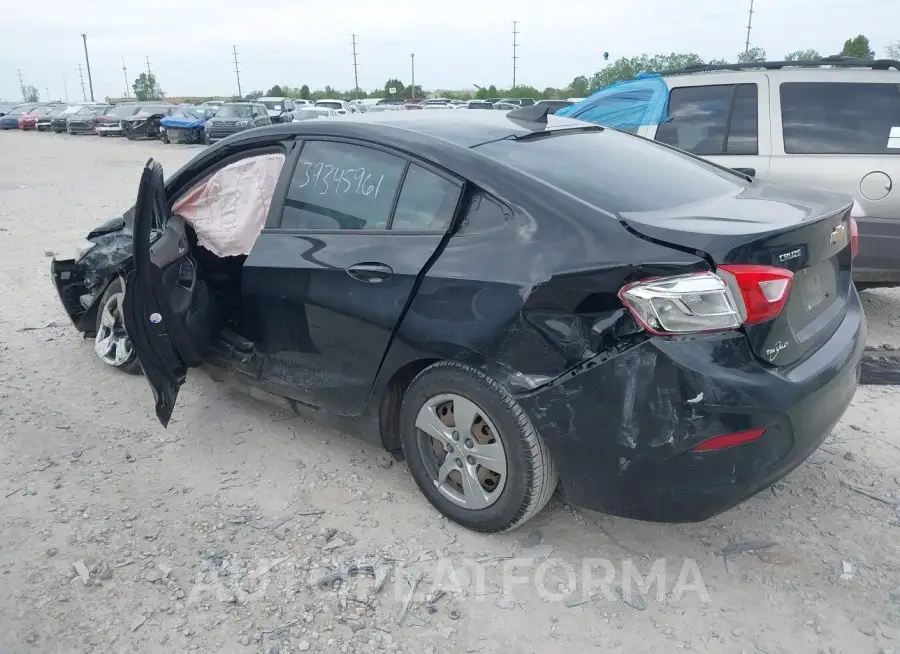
(706, 302)
(854, 237)
(727, 441)
(763, 289)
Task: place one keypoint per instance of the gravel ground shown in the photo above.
(119, 536)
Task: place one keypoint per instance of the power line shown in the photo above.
(81, 75)
(22, 85)
(125, 73)
(149, 72)
(412, 61)
(237, 71)
(749, 27)
(515, 47)
(355, 68)
(87, 62)
(66, 88)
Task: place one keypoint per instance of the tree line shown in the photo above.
(146, 86)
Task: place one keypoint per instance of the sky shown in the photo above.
(456, 44)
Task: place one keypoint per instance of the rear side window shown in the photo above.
(427, 201)
(342, 186)
(840, 118)
(702, 119)
(615, 172)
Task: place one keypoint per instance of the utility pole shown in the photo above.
(22, 86)
(66, 88)
(87, 63)
(81, 75)
(125, 74)
(237, 71)
(47, 89)
(515, 48)
(355, 68)
(749, 27)
(149, 77)
(412, 60)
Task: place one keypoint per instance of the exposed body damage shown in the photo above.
(517, 297)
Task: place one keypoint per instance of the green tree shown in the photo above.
(627, 67)
(893, 50)
(275, 92)
(752, 56)
(580, 87)
(803, 55)
(304, 92)
(551, 93)
(253, 95)
(397, 86)
(146, 87)
(30, 93)
(858, 47)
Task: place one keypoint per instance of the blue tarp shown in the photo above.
(186, 118)
(628, 105)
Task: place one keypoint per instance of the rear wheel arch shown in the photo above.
(392, 399)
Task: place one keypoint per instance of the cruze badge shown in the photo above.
(837, 234)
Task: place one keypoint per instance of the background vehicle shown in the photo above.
(308, 113)
(834, 128)
(279, 109)
(341, 106)
(145, 123)
(30, 120)
(505, 106)
(519, 102)
(109, 123)
(45, 117)
(11, 120)
(6, 107)
(186, 125)
(233, 117)
(490, 404)
(479, 104)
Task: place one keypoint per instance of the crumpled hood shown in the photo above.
(126, 220)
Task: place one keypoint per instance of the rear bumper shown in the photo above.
(79, 128)
(108, 129)
(622, 432)
(878, 261)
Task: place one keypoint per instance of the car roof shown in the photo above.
(273, 97)
(465, 129)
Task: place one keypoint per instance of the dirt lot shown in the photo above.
(119, 536)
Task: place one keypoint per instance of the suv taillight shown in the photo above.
(854, 237)
(706, 302)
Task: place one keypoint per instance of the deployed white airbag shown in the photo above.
(228, 209)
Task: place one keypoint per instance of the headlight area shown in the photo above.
(82, 250)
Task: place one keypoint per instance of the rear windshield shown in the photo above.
(275, 105)
(480, 105)
(614, 171)
(840, 118)
(330, 105)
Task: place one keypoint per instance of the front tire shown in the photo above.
(112, 344)
(472, 449)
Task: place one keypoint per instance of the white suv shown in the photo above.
(833, 124)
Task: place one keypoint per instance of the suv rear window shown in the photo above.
(614, 171)
(711, 120)
(839, 118)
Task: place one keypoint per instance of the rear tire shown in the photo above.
(112, 344)
(500, 434)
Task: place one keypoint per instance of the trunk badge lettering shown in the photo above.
(155, 318)
(837, 234)
(773, 352)
(793, 254)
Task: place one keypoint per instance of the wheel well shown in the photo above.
(389, 413)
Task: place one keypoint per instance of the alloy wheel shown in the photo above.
(112, 343)
(462, 451)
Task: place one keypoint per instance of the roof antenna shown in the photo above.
(536, 113)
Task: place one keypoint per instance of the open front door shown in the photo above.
(169, 313)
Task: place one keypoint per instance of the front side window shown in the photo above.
(840, 118)
(699, 119)
(342, 186)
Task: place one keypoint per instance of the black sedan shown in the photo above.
(145, 123)
(507, 300)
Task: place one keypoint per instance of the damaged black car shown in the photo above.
(624, 324)
(145, 123)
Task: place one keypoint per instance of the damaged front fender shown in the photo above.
(82, 282)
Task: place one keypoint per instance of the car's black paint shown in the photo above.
(531, 300)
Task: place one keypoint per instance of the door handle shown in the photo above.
(746, 171)
(370, 273)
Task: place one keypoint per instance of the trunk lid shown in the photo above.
(806, 232)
